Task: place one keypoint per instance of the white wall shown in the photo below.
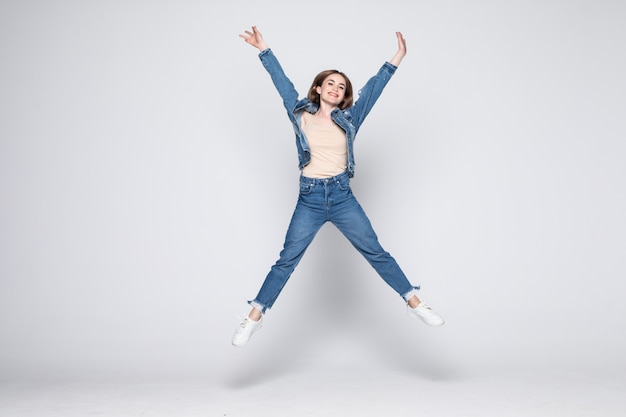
(148, 172)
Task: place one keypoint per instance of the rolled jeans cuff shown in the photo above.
(258, 306)
(411, 293)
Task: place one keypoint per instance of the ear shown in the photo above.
(318, 89)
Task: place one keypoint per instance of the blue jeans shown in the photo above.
(321, 201)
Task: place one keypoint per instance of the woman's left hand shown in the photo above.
(397, 58)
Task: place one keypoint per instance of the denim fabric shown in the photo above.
(321, 201)
(349, 119)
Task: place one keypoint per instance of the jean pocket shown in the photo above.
(343, 184)
(306, 187)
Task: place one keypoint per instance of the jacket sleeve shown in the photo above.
(370, 92)
(284, 86)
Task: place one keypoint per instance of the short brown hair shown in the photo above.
(348, 99)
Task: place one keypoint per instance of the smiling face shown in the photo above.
(331, 87)
(333, 90)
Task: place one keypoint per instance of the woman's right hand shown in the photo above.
(255, 39)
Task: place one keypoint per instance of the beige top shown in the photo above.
(329, 153)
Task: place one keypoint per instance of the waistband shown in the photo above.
(343, 176)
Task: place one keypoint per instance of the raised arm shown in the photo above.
(284, 86)
(255, 39)
(371, 91)
(397, 58)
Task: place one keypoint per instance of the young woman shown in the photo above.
(325, 125)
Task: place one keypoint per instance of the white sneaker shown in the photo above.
(245, 330)
(427, 314)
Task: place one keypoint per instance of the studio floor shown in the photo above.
(337, 391)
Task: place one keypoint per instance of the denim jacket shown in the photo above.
(349, 120)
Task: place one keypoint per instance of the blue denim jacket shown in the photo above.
(349, 119)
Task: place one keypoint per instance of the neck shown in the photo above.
(325, 110)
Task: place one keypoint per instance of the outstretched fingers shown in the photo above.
(254, 38)
(401, 42)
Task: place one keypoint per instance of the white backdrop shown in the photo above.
(148, 172)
